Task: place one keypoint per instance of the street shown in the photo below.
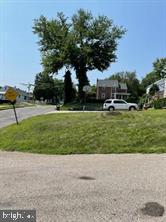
(7, 116)
(85, 188)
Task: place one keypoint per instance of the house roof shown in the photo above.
(107, 83)
(19, 91)
(161, 84)
(111, 83)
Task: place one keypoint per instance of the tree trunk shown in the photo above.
(82, 81)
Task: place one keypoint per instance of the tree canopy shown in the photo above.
(48, 88)
(44, 86)
(158, 72)
(83, 43)
(160, 67)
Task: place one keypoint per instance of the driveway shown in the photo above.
(85, 188)
(7, 116)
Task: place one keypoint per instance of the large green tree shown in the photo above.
(44, 86)
(160, 67)
(83, 43)
(133, 84)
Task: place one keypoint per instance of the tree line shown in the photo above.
(48, 87)
(53, 89)
(136, 87)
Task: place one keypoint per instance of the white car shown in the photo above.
(119, 104)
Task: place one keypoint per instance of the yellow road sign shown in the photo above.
(11, 94)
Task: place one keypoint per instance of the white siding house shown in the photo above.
(23, 96)
(2, 93)
(162, 88)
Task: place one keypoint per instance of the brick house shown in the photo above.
(111, 89)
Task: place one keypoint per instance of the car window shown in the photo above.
(108, 101)
(119, 101)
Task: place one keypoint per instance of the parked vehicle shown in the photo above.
(119, 104)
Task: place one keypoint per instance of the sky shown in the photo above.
(144, 41)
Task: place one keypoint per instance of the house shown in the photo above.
(111, 89)
(162, 88)
(23, 96)
(2, 95)
(2, 92)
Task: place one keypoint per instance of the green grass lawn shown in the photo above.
(63, 133)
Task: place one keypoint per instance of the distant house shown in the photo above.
(2, 93)
(111, 89)
(23, 96)
(162, 88)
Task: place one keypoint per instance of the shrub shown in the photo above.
(159, 103)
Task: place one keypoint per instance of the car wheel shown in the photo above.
(111, 108)
(132, 108)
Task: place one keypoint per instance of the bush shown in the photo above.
(94, 100)
(132, 99)
(159, 103)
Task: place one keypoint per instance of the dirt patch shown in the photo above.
(86, 178)
(111, 113)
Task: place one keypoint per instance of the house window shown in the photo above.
(103, 89)
(119, 102)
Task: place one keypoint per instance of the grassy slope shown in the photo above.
(88, 133)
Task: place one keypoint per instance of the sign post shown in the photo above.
(11, 95)
(14, 108)
(86, 89)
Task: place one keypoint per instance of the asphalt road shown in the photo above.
(7, 116)
(85, 188)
